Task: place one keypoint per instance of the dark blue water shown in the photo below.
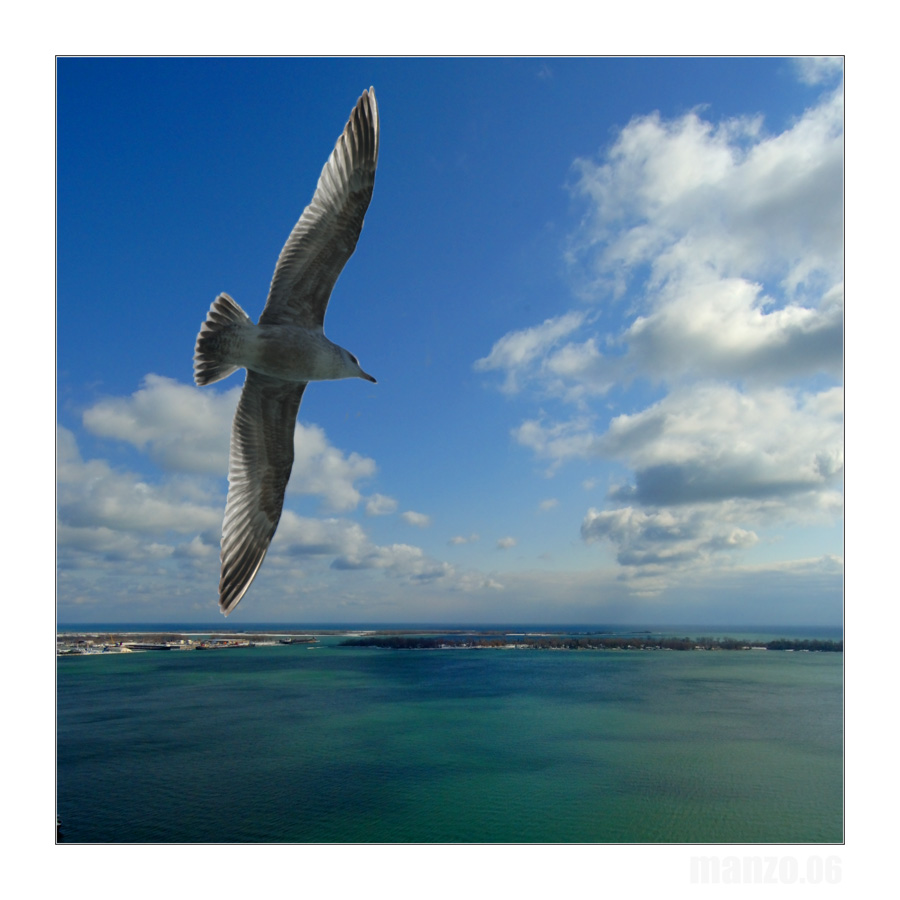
(357, 745)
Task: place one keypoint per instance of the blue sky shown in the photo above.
(603, 299)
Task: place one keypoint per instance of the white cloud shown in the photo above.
(685, 195)
(711, 465)
(302, 536)
(778, 451)
(514, 351)
(712, 442)
(726, 328)
(728, 241)
(460, 539)
(716, 249)
(664, 537)
(100, 545)
(548, 504)
(380, 505)
(187, 429)
(578, 369)
(169, 534)
(92, 495)
(400, 560)
(107, 517)
(322, 470)
(197, 549)
(505, 543)
(559, 441)
(181, 428)
(419, 520)
(819, 69)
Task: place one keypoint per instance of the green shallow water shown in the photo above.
(360, 745)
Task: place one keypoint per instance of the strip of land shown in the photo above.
(77, 644)
(544, 642)
(131, 642)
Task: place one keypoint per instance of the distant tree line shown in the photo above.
(832, 646)
(430, 642)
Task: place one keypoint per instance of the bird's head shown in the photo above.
(353, 369)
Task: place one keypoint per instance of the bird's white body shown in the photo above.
(289, 352)
(299, 354)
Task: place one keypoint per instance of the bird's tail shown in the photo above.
(216, 336)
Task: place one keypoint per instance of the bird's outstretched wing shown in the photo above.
(262, 453)
(325, 236)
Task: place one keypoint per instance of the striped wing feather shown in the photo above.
(262, 453)
(325, 236)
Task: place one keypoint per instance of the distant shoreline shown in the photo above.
(95, 642)
(546, 642)
(81, 643)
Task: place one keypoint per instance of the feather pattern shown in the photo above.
(325, 236)
(262, 454)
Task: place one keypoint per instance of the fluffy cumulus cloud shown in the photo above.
(663, 537)
(324, 471)
(711, 442)
(714, 250)
(399, 560)
(104, 509)
(345, 545)
(301, 536)
(688, 195)
(187, 429)
(124, 539)
(167, 526)
(728, 328)
(728, 242)
(180, 427)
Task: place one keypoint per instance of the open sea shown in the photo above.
(339, 744)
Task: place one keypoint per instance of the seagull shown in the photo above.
(286, 350)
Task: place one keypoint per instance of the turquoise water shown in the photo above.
(350, 745)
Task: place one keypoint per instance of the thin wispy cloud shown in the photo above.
(819, 69)
(380, 505)
(417, 519)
